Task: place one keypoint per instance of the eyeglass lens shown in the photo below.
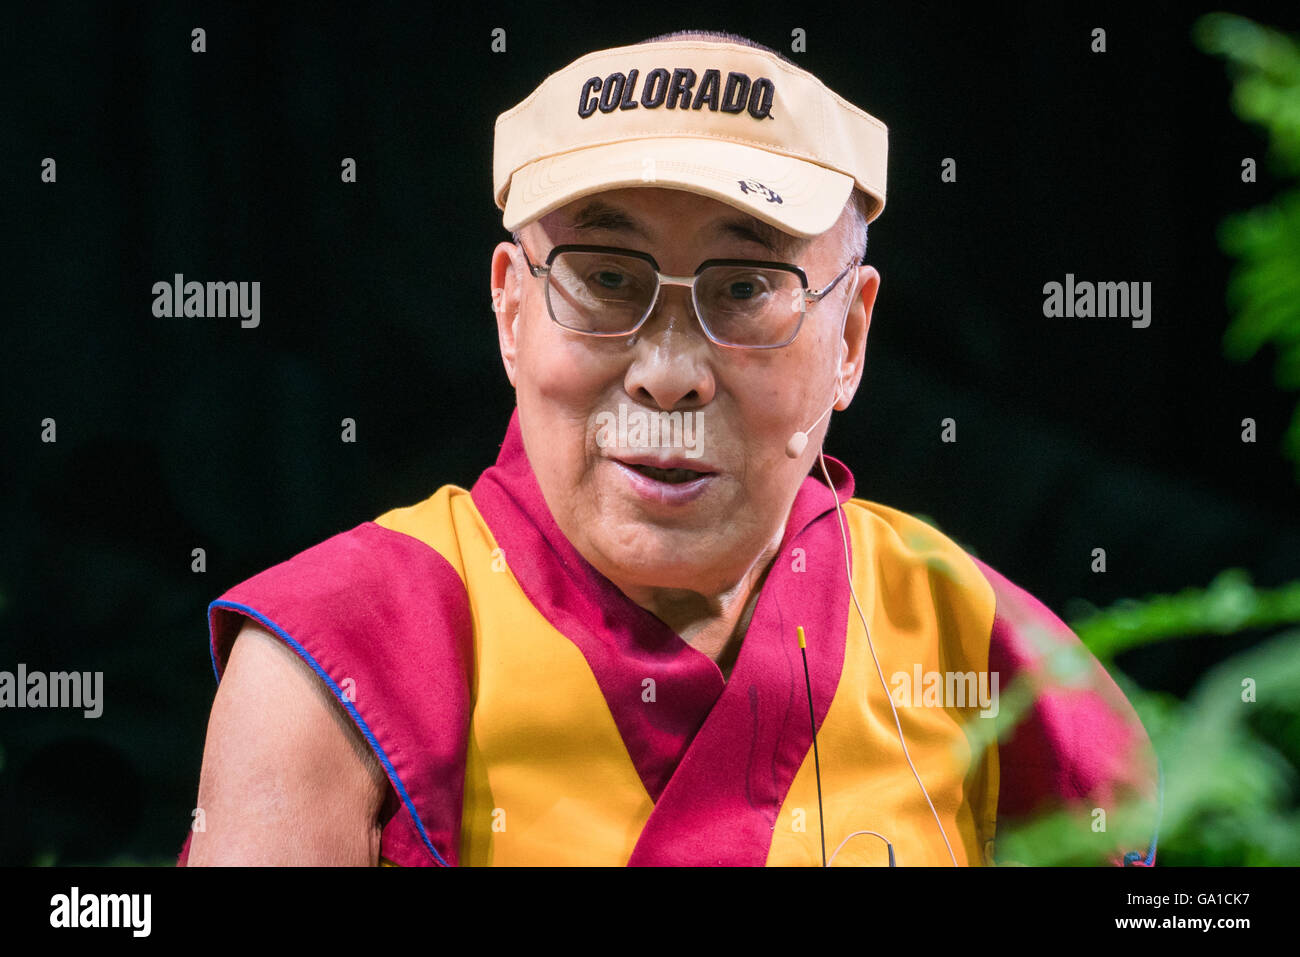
(608, 294)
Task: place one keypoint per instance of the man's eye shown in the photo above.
(610, 279)
(745, 287)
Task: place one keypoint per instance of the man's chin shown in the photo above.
(665, 559)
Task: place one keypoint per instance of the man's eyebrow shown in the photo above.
(780, 244)
(599, 215)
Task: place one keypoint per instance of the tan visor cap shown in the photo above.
(724, 120)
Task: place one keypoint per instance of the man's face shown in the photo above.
(704, 526)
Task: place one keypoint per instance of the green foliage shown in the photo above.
(1264, 288)
(1230, 753)
(1265, 68)
(1229, 792)
(1230, 604)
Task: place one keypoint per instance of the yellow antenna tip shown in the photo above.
(799, 629)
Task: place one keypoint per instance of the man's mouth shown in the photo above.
(666, 481)
(670, 476)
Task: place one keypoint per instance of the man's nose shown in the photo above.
(671, 355)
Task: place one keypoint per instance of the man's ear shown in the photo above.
(508, 269)
(856, 326)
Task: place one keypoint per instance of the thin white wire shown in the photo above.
(848, 571)
(846, 840)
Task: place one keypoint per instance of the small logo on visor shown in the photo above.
(751, 186)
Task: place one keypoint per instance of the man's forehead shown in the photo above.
(613, 212)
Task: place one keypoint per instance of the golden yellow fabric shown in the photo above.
(558, 788)
(915, 586)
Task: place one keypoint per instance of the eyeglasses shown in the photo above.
(742, 303)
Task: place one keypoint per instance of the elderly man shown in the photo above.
(658, 629)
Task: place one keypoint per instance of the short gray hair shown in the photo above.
(859, 203)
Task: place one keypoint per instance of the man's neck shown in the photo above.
(714, 624)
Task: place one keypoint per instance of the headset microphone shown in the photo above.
(794, 448)
(799, 441)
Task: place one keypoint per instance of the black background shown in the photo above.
(182, 433)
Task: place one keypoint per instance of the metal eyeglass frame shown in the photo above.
(661, 280)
